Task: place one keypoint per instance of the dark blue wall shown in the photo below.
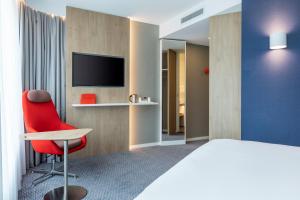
(270, 78)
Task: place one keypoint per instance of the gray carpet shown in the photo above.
(118, 176)
(167, 137)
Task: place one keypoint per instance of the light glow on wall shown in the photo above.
(275, 60)
(132, 83)
(274, 23)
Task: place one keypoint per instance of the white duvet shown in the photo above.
(231, 170)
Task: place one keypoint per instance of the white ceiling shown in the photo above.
(150, 11)
(198, 32)
(173, 44)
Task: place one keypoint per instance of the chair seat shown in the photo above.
(71, 143)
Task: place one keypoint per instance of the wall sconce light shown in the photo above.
(278, 40)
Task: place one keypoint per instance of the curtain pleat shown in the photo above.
(43, 62)
(12, 155)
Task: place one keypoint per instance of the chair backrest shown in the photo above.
(39, 111)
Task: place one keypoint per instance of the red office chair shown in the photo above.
(39, 116)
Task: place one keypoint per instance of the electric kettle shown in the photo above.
(133, 98)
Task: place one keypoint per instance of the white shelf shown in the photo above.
(115, 104)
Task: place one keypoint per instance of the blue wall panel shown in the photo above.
(270, 78)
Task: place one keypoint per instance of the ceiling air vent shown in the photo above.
(192, 15)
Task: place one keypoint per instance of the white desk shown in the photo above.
(115, 104)
(65, 192)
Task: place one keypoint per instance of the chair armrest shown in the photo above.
(44, 146)
(65, 126)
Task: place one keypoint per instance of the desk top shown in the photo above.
(57, 135)
(115, 104)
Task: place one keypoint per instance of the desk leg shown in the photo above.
(66, 192)
(66, 169)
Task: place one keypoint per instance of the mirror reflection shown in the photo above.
(173, 90)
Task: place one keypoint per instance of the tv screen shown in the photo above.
(97, 70)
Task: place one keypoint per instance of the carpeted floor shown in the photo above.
(167, 137)
(118, 176)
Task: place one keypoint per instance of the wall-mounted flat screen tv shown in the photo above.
(97, 70)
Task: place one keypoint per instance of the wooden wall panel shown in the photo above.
(171, 91)
(97, 33)
(225, 77)
(197, 89)
(164, 92)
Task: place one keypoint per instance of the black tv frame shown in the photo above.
(99, 55)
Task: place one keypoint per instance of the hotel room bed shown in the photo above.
(231, 170)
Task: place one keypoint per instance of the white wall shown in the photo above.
(56, 7)
(1, 181)
(144, 81)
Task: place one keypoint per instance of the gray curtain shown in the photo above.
(43, 62)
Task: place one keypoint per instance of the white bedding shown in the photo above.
(231, 170)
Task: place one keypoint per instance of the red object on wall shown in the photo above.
(88, 99)
(206, 70)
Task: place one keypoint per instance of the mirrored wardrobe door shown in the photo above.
(173, 91)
